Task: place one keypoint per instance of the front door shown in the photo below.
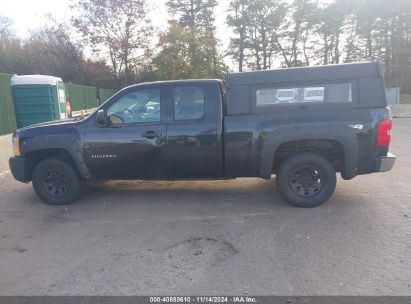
(131, 144)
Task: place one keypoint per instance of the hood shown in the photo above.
(50, 123)
(50, 127)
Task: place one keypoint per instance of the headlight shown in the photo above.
(16, 145)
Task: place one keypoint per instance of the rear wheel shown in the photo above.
(56, 181)
(306, 180)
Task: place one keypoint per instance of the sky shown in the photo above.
(29, 14)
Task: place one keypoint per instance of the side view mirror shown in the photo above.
(101, 118)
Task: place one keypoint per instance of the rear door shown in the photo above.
(193, 147)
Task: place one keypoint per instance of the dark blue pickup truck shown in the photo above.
(301, 124)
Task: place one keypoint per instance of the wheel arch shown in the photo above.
(331, 149)
(275, 140)
(37, 149)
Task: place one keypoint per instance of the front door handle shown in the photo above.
(151, 134)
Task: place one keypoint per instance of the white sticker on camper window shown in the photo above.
(309, 94)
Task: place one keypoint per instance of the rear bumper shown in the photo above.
(18, 168)
(384, 163)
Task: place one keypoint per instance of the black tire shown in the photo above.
(56, 181)
(306, 180)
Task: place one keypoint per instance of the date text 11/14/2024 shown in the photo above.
(204, 299)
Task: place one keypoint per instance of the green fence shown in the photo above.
(7, 116)
(80, 97)
(105, 94)
(84, 97)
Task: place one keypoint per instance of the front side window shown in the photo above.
(188, 103)
(136, 107)
(330, 93)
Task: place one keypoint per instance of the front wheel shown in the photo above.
(306, 180)
(56, 181)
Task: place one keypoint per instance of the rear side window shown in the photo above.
(372, 93)
(188, 103)
(341, 92)
(330, 93)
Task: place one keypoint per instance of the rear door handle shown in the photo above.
(151, 134)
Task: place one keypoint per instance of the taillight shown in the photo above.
(384, 133)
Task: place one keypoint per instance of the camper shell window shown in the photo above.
(327, 93)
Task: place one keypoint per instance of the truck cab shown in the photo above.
(157, 131)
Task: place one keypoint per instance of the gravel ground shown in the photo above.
(211, 238)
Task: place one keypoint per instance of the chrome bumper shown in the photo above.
(385, 163)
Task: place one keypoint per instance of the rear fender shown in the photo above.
(344, 134)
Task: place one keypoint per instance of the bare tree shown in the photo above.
(50, 50)
(119, 29)
(5, 29)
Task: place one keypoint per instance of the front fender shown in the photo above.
(67, 142)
